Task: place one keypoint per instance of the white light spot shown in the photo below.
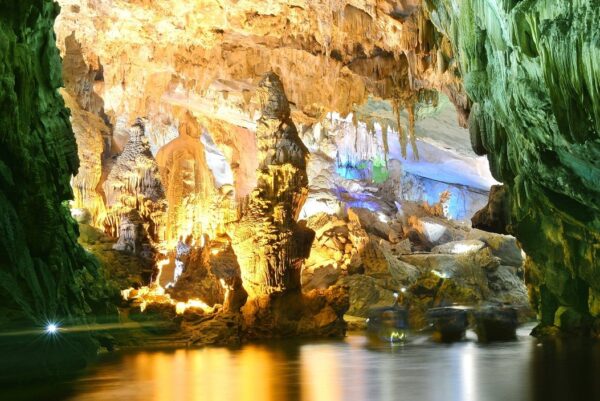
(440, 274)
(52, 328)
(382, 217)
(464, 248)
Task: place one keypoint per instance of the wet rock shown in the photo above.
(355, 323)
(496, 323)
(318, 313)
(569, 319)
(219, 329)
(389, 324)
(366, 292)
(449, 324)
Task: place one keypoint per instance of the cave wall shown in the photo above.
(532, 72)
(44, 274)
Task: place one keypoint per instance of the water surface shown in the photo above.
(349, 369)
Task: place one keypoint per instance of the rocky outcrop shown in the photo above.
(494, 216)
(531, 69)
(317, 313)
(187, 181)
(45, 274)
(271, 246)
(134, 184)
(90, 133)
(376, 256)
(211, 273)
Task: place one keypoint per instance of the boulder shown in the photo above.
(503, 246)
(367, 292)
(369, 221)
(320, 278)
(507, 286)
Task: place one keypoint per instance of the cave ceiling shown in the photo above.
(144, 58)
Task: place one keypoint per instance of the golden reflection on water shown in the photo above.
(322, 371)
(219, 374)
(317, 369)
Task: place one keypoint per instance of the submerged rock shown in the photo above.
(496, 323)
(449, 323)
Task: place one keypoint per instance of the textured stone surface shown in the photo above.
(271, 246)
(44, 273)
(187, 181)
(209, 56)
(532, 68)
(134, 184)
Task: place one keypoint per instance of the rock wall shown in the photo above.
(532, 71)
(44, 274)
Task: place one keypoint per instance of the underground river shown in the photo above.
(351, 369)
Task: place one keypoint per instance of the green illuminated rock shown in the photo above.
(44, 274)
(532, 71)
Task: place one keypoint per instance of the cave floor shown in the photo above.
(348, 369)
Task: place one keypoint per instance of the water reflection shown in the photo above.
(344, 370)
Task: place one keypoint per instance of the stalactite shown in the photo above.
(411, 130)
(187, 180)
(386, 146)
(401, 133)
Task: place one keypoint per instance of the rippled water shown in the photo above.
(340, 370)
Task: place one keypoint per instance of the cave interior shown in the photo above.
(191, 173)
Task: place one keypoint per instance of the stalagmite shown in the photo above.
(187, 181)
(134, 183)
(270, 244)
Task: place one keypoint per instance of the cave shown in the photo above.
(293, 199)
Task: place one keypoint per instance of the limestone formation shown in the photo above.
(134, 184)
(271, 246)
(532, 69)
(90, 132)
(525, 74)
(187, 181)
(211, 273)
(330, 56)
(376, 258)
(45, 273)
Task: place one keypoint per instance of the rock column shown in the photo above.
(270, 244)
